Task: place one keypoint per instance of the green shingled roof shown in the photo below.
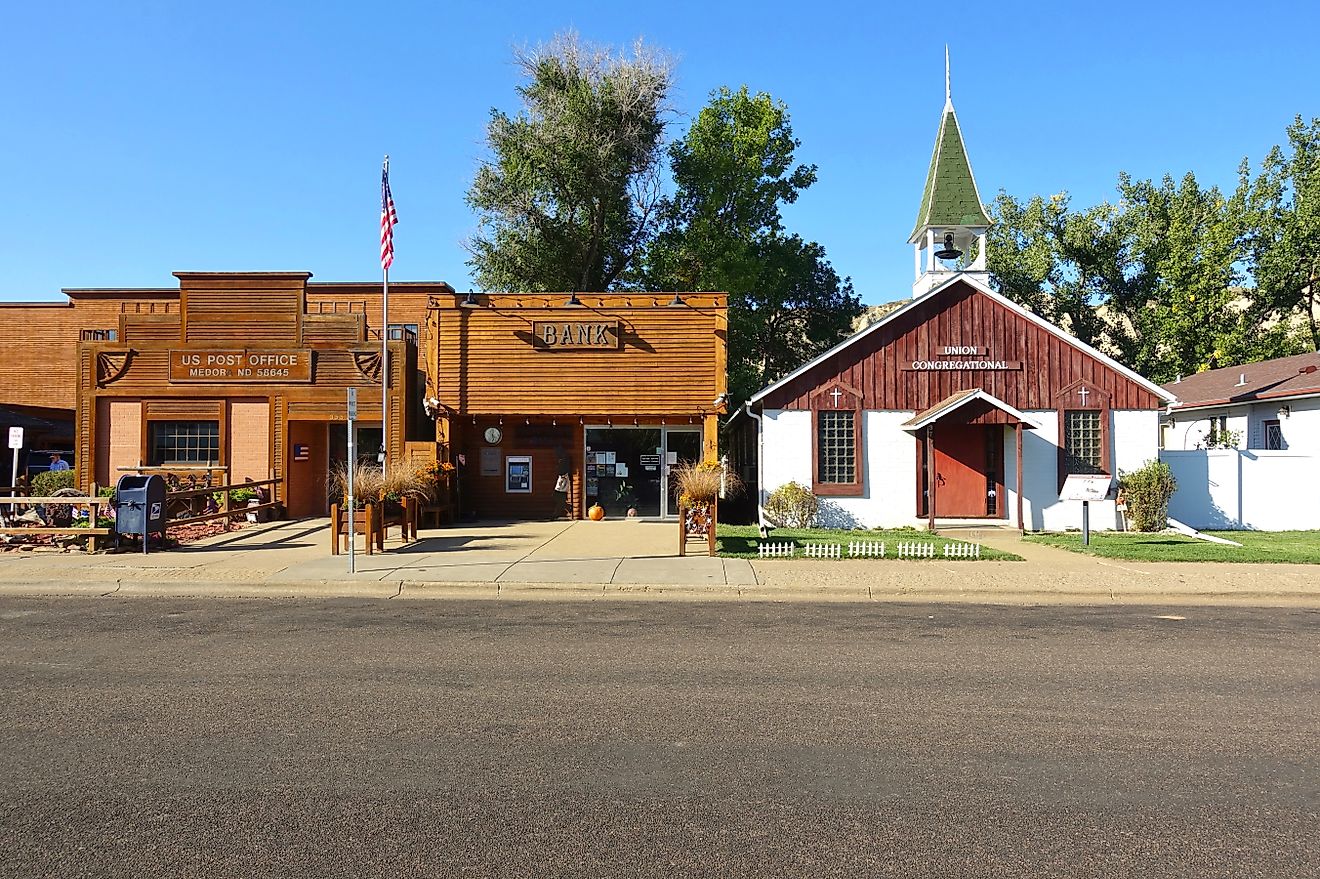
(950, 197)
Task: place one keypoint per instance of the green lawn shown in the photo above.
(1289, 547)
(741, 541)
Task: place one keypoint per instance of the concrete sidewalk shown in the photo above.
(635, 560)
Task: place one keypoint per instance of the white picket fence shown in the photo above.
(962, 550)
(866, 549)
(908, 549)
(777, 550)
(822, 551)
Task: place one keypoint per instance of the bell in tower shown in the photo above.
(951, 229)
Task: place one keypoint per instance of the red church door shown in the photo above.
(960, 464)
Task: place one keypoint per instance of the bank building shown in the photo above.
(959, 406)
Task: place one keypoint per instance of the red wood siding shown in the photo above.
(961, 315)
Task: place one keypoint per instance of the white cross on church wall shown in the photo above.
(1082, 393)
(836, 394)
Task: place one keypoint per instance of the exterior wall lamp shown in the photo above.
(1285, 410)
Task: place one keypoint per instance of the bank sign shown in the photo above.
(255, 366)
(560, 335)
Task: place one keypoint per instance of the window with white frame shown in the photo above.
(1273, 435)
(185, 442)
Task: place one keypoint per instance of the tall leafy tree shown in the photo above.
(569, 197)
(1284, 242)
(733, 172)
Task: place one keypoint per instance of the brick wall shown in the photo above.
(249, 441)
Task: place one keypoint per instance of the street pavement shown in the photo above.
(351, 737)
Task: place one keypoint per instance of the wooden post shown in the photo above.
(710, 526)
(930, 476)
(1017, 432)
(368, 525)
(335, 524)
(682, 530)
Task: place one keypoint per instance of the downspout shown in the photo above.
(760, 443)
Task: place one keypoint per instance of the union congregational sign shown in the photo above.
(960, 357)
(241, 366)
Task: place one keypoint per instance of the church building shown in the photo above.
(960, 406)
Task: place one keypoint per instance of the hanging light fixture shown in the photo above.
(676, 301)
(470, 301)
(573, 301)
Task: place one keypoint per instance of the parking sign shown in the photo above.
(15, 437)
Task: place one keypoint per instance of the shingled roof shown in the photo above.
(1282, 377)
(950, 197)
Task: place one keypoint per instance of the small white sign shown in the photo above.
(352, 404)
(15, 437)
(1079, 487)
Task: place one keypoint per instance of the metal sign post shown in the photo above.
(352, 501)
(1086, 523)
(15, 444)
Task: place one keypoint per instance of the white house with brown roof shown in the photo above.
(1273, 405)
(1244, 444)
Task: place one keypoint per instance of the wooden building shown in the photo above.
(959, 406)
(238, 375)
(246, 373)
(609, 391)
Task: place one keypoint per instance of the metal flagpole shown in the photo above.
(387, 220)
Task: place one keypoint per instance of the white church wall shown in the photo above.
(889, 480)
(1134, 441)
(785, 450)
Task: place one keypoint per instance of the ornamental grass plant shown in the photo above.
(402, 479)
(701, 483)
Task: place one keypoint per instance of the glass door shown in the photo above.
(623, 470)
(681, 446)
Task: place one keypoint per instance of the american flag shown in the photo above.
(388, 217)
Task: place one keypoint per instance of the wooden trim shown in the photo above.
(1097, 400)
(930, 477)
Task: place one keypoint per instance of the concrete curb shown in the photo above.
(421, 591)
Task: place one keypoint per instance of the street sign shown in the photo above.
(1079, 487)
(15, 437)
(352, 403)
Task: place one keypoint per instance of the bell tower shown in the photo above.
(952, 221)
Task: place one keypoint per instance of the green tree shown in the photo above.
(570, 196)
(733, 172)
(1284, 242)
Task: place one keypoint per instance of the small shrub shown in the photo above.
(1221, 439)
(792, 505)
(47, 483)
(1147, 492)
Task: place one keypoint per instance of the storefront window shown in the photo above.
(185, 442)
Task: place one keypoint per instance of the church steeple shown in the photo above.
(951, 216)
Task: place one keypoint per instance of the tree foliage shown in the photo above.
(733, 172)
(569, 198)
(1285, 239)
(1162, 278)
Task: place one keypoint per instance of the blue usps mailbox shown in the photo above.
(140, 506)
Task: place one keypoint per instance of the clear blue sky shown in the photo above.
(141, 138)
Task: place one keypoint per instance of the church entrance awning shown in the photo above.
(971, 406)
(962, 471)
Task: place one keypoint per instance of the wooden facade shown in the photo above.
(241, 351)
(1042, 363)
(633, 361)
(122, 362)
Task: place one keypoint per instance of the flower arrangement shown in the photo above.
(404, 478)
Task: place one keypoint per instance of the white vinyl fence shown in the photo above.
(1245, 489)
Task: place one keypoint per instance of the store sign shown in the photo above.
(564, 335)
(960, 357)
(241, 366)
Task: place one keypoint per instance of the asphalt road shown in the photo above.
(208, 738)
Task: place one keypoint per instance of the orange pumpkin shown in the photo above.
(596, 513)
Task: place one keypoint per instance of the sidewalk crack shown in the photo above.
(118, 585)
